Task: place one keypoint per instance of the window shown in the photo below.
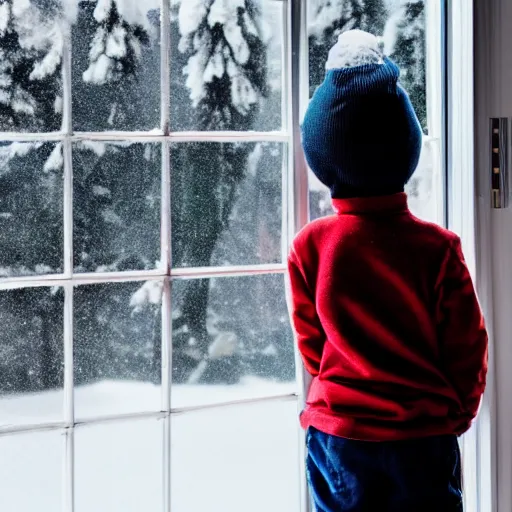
(411, 34)
(149, 190)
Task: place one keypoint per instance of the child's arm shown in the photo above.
(462, 333)
(309, 333)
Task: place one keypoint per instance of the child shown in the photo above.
(383, 307)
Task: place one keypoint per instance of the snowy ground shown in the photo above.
(232, 458)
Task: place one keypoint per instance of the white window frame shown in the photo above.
(295, 193)
(470, 220)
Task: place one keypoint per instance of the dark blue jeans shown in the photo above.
(420, 475)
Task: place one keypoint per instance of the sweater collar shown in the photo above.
(396, 203)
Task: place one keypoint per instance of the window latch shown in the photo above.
(499, 161)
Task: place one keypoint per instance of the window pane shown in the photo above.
(226, 203)
(118, 467)
(226, 65)
(424, 190)
(117, 348)
(31, 206)
(241, 458)
(426, 186)
(31, 355)
(231, 340)
(401, 27)
(116, 194)
(116, 66)
(30, 70)
(31, 472)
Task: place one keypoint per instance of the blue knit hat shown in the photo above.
(361, 136)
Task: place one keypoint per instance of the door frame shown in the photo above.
(470, 214)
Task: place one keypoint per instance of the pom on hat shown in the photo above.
(354, 48)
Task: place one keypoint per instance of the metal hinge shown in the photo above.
(499, 161)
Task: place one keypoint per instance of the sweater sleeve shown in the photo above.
(462, 332)
(309, 334)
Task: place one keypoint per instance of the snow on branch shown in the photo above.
(116, 48)
(323, 14)
(31, 43)
(224, 40)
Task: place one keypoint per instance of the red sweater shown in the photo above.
(387, 322)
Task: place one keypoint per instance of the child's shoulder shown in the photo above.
(436, 232)
(314, 229)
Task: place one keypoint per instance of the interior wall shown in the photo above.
(493, 98)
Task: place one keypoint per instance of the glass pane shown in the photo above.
(117, 348)
(423, 190)
(426, 186)
(242, 458)
(231, 340)
(31, 356)
(118, 467)
(226, 65)
(226, 203)
(401, 27)
(116, 66)
(30, 70)
(116, 194)
(31, 472)
(31, 207)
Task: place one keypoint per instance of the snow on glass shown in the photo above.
(31, 208)
(245, 227)
(116, 221)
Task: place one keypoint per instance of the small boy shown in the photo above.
(383, 306)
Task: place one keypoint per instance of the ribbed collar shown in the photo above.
(396, 203)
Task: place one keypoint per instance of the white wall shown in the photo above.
(493, 88)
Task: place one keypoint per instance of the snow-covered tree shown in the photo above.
(116, 193)
(409, 52)
(31, 200)
(329, 18)
(31, 42)
(224, 44)
(116, 48)
(116, 66)
(226, 198)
